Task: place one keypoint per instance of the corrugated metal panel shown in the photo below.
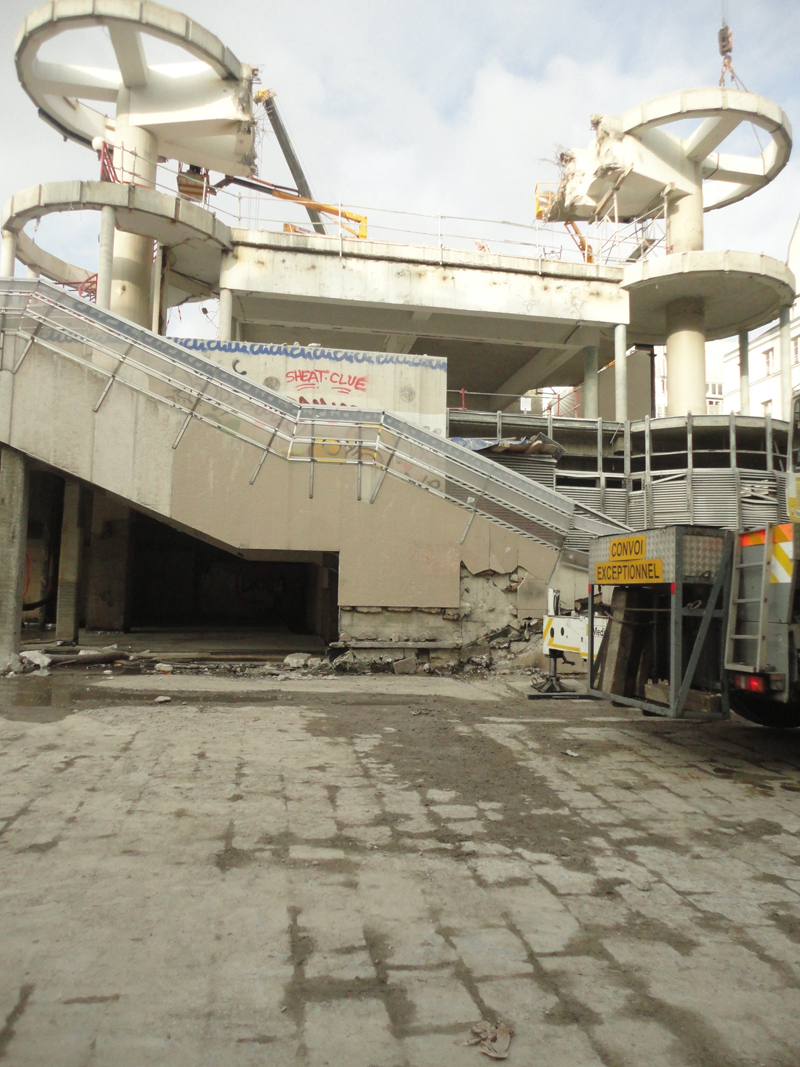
(541, 469)
(759, 492)
(714, 498)
(636, 509)
(670, 502)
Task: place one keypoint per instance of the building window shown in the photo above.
(796, 350)
(766, 407)
(769, 361)
(713, 389)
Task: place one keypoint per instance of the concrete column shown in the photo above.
(685, 220)
(135, 162)
(31, 272)
(105, 258)
(744, 372)
(225, 329)
(590, 383)
(8, 254)
(69, 565)
(108, 591)
(158, 270)
(621, 372)
(686, 357)
(14, 480)
(786, 363)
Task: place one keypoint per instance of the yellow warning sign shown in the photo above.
(627, 548)
(628, 572)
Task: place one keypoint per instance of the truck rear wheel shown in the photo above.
(757, 708)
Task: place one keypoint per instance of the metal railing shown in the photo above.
(378, 444)
(610, 242)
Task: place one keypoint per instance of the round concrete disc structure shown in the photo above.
(722, 110)
(193, 238)
(199, 111)
(740, 290)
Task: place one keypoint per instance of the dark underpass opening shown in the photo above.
(181, 582)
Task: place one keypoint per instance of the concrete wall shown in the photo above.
(411, 387)
(402, 551)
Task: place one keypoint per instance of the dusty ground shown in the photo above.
(353, 871)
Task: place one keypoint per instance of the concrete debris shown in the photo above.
(345, 662)
(569, 752)
(35, 659)
(484, 660)
(405, 666)
(162, 700)
(492, 1039)
(164, 668)
(297, 659)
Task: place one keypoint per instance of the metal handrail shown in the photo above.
(173, 375)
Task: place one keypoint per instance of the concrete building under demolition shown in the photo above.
(359, 454)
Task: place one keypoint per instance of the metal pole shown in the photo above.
(744, 372)
(621, 372)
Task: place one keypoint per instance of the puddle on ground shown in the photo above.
(28, 698)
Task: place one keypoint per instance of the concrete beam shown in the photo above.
(14, 481)
(403, 343)
(546, 362)
(468, 293)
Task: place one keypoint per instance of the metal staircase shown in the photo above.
(65, 331)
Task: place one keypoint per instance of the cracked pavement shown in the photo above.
(356, 874)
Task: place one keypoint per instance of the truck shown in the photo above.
(699, 621)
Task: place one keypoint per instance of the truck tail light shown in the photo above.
(751, 683)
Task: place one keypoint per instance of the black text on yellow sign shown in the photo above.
(628, 572)
(627, 548)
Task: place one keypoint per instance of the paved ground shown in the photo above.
(349, 877)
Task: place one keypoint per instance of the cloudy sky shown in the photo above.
(454, 106)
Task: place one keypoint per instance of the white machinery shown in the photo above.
(564, 633)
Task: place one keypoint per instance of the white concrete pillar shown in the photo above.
(786, 363)
(155, 288)
(590, 384)
(744, 373)
(13, 542)
(69, 565)
(105, 257)
(685, 221)
(225, 327)
(8, 254)
(621, 372)
(135, 161)
(31, 272)
(686, 357)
